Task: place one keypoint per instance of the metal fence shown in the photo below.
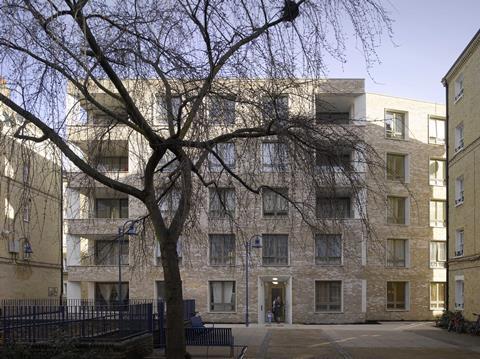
(44, 321)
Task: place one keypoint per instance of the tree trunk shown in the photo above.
(173, 287)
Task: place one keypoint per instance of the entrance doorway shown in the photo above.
(269, 288)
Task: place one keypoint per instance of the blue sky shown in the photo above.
(428, 37)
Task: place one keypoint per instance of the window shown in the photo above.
(226, 152)
(274, 202)
(168, 163)
(459, 191)
(437, 295)
(158, 252)
(222, 249)
(397, 295)
(458, 87)
(438, 172)
(338, 158)
(106, 252)
(396, 253)
(459, 240)
(107, 293)
(160, 108)
(395, 125)
(438, 212)
(26, 213)
(396, 210)
(459, 140)
(459, 292)
(222, 296)
(396, 167)
(9, 171)
(436, 130)
(275, 249)
(222, 202)
(333, 207)
(26, 172)
(222, 109)
(170, 201)
(113, 163)
(111, 207)
(275, 109)
(328, 249)
(274, 156)
(160, 284)
(340, 118)
(438, 254)
(328, 296)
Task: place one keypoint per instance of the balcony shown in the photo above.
(94, 226)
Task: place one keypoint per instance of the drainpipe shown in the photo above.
(447, 289)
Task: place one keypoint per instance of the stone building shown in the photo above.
(380, 254)
(31, 215)
(462, 83)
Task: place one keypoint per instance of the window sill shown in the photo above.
(329, 265)
(275, 216)
(397, 310)
(398, 224)
(329, 312)
(275, 265)
(437, 309)
(396, 267)
(396, 138)
(458, 98)
(458, 204)
(218, 312)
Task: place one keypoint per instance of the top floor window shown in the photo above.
(222, 109)
(459, 140)
(337, 159)
(340, 118)
(113, 163)
(436, 130)
(274, 156)
(275, 108)
(395, 125)
(459, 87)
(226, 152)
(111, 208)
(160, 108)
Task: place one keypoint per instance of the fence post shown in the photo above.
(150, 317)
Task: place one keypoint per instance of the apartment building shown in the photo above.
(30, 216)
(462, 83)
(380, 254)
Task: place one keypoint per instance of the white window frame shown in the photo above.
(433, 124)
(406, 209)
(406, 167)
(435, 222)
(433, 178)
(407, 253)
(407, 296)
(315, 295)
(209, 296)
(459, 137)
(437, 262)
(459, 190)
(459, 89)
(396, 135)
(438, 307)
(459, 292)
(26, 213)
(459, 242)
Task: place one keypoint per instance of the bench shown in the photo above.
(215, 337)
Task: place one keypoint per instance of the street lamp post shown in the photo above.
(248, 246)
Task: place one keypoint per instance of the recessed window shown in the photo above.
(436, 130)
(339, 118)
(396, 252)
(437, 295)
(225, 153)
(459, 139)
(111, 207)
(396, 210)
(222, 296)
(438, 213)
(222, 109)
(222, 249)
(397, 295)
(328, 249)
(275, 202)
(158, 252)
(459, 191)
(438, 254)
(275, 108)
(113, 163)
(395, 125)
(106, 252)
(438, 172)
(160, 108)
(274, 249)
(170, 201)
(459, 293)
(107, 293)
(458, 87)
(333, 207)
(337, 158)
(396, 165)
(274, 157)
(222, 203)
(328, 296)
(459, 242)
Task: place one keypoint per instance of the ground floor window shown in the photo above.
(397, 294)
(160, 290)
(222, 296)
(328, 296)
(437, 295)
(459, 293)
(108, 293)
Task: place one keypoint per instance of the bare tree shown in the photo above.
(193, 53)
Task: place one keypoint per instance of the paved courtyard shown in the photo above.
(374, 341)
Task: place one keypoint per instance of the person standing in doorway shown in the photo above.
(276, 307)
